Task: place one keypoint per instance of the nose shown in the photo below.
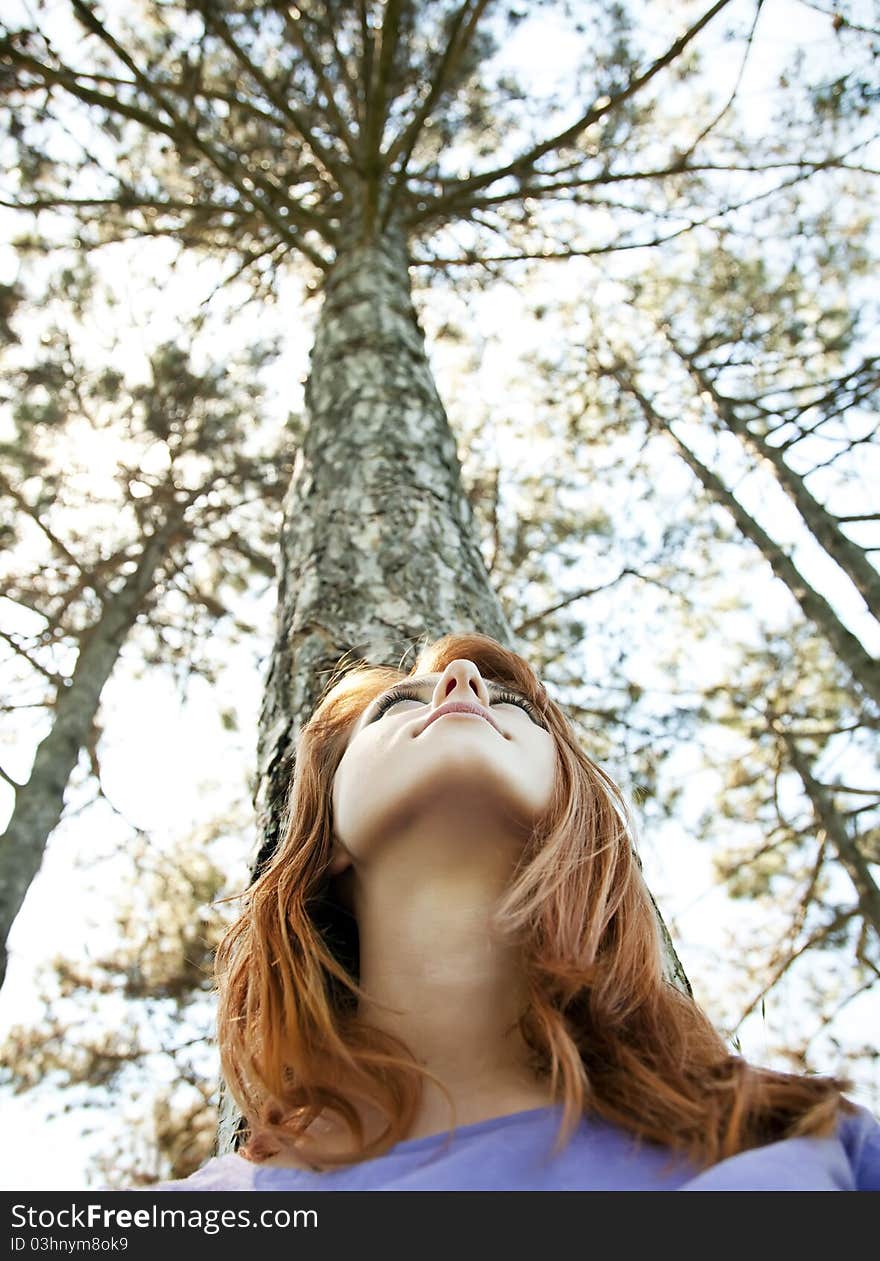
(460, 681)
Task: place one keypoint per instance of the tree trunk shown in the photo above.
(379, 545)
(40, 802)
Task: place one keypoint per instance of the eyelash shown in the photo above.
(500, 698)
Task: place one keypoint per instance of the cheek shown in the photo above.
(356, 784)
(334, 795)
(340, 802)
(532, 774)
(545, 767)
(348, 773)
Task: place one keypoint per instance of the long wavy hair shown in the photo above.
(603, 1024)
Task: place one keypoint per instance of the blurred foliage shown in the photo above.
(133, 1023)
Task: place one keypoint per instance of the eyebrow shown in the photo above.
(419, 685)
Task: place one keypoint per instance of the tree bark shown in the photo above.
(378, 541)
(40, 802)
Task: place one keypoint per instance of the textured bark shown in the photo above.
(379, 546)
(40, 802)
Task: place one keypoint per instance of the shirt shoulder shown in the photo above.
(221, 1173)
(848, 1160)
(860, 1135)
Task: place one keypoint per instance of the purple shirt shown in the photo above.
(513, 1153)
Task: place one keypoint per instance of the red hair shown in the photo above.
(604, 1024)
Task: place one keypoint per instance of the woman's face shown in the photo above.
(415, 762)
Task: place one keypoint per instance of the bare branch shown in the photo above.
(456, 45)
(851, 857)
(584, 594)
(223, 164)
(821, 523)
(57, 680)
(750, 39)
(864, 668)
(815, 938)
(325, 156)
(31, 512)
(461, 189)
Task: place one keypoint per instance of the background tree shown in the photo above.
(128, 1032)
(777, 380)
(158, 548)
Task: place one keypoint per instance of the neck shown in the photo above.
(440, 979)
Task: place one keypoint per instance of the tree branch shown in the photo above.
(328, 32)
(864, 668)
(305, 46)
(377, 111)
(819, 934)
(822, 524)
(331, 164)
(535, 618)
(710, 126)
(14, 782)
(402, 147)
(57, 680)
(7, 487)
(520, 165)
(851, 858)
(70, 80)
(227, 167)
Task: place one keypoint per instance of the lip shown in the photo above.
(461, 707)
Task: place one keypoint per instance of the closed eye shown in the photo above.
(398, 695)
(393, 698)
(512, 698)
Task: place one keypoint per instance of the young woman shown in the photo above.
(450, 974)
